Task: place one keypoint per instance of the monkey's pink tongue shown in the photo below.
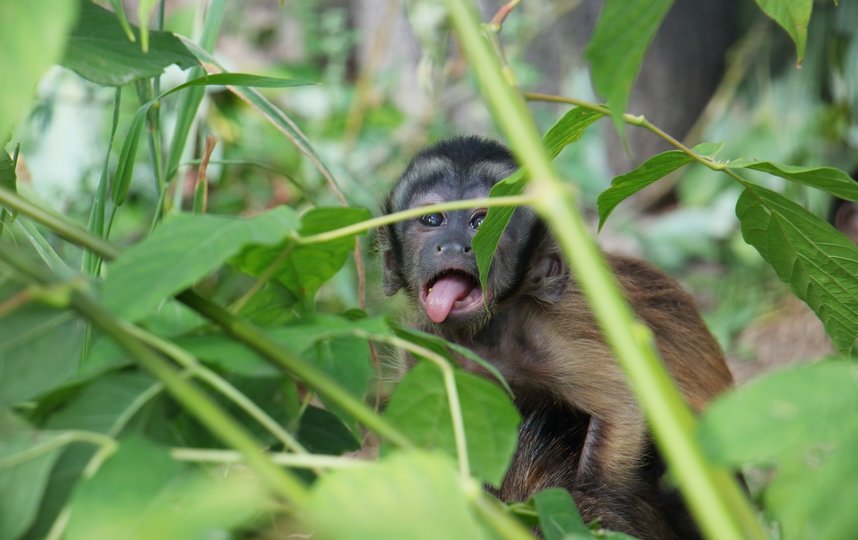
(444, 293)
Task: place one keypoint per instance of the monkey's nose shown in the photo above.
(452, 247)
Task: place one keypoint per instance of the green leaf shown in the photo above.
(564, 132)
(27, 479)
(413, 495)
(626, 185)
(814, 497)
(818, 262)
(829, 179)
(783, 414)
(99, 50)
(33, 38)
(238, 79)
(40, 348)
(104, 406)
(141, 493)
(559, 518)
(306, 267)
(346, 360)
(228, 355)
(7, 172)
(793, 16)
(419, 407)
(616, 50)
(180, 252)
(323, 433)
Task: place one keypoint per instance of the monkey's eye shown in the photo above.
(477, 219)
(432, 220)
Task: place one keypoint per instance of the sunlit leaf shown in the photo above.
(419, 408)
(829, 179)
(304, 268)
(167, 500)
(99, 50)
(783, 413)
(622, 34)
(817, 261)
(33, 37)
(406, 495)
(626, 185)
(183, 250)
(793, 16)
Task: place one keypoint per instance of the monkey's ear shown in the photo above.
(548, 277)
(392, 279)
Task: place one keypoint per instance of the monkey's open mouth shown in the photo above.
(451, 293)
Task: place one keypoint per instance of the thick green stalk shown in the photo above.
(714, 497)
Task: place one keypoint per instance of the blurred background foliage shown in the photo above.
(391, 81)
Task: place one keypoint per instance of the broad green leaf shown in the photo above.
(829, 179)
(626, 185)
(622, 34)
(819, 263)
(33, 37)
(814, 497)
(305, 268)
(141, 493)
(783, 414)
(564, 132)
(323, 433)
(793, 16)
(180, 252)
(420, 408)
(104, 406)
(22, 483)
(346, 360)
(40, 348)
(559, 518)
(99, 50)
(413, 495)
(271, 306)
(228, 354)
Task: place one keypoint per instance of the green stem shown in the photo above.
(63, 439)
(712, 494)
(303, 461)
(260, 342)
(381, 221)
(189, 395)
(448, 374)
(217, 382)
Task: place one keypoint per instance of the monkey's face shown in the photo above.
(431, 257)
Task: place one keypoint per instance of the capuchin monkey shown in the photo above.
(581, 429)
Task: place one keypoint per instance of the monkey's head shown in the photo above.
(431, 257)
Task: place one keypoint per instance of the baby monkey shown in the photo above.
(582, 429)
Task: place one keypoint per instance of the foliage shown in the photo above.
(133, 379)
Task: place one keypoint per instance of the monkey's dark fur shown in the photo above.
(581, 427)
